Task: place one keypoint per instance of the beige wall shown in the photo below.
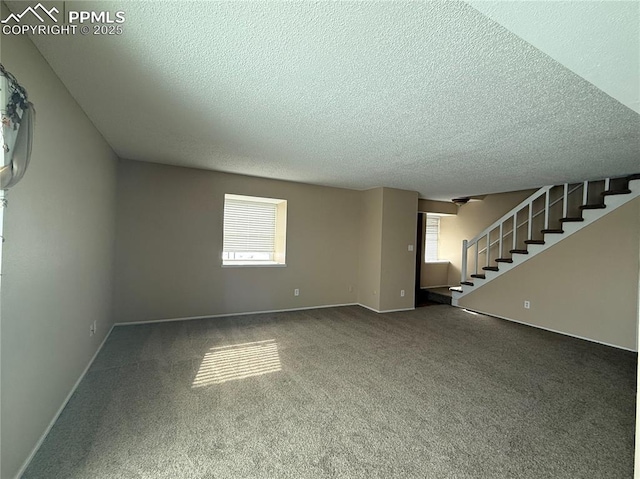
(370, 250)
(169, 245)
(343, 246)
(58, 256)
(443, 207)
(471, 219)
(586, 285)
(636, 467)
(386, 266)
(398, 265)
(434, 274)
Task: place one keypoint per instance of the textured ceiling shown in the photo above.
(598, 40)
(426, 96)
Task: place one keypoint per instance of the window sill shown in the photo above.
(244, 264)
(437, 261)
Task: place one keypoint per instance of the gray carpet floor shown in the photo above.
(347, 393)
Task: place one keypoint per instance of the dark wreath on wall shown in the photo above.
(18, 116)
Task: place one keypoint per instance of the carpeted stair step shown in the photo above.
(600, 206)
(533, 241)
(575, 219)
(467, 283)
(490, 268)
(438, 295)
(615, 192)
(504, 260)
(518, 251)
(552, 231)
(479, 276)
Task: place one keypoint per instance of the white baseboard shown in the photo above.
(248, 313)
(384, 310)
(436, 286)
(396, 310)
(368, 307)
(64, 403)
(189, 318)
(550, 330)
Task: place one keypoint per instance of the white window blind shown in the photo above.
(249, 226)
(432, 234)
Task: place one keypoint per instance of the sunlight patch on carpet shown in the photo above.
(238, 361)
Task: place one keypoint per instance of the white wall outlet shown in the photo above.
(410, 248)
(351, 288)
(527, 305)
(296, 292)
(92, 328)
(402, 293)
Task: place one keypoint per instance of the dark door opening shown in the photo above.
(420, 294)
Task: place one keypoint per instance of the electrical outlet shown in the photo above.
(527, 305)
(410, 248)
(296, 292)
(351, 288)
(402, 293)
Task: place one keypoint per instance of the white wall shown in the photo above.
(58, 257)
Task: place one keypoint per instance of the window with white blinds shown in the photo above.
(253, 230)
(431, 238)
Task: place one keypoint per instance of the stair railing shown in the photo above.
(512, 217)
(535, 215)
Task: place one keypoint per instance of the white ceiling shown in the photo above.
(598, 40)
(429, 96)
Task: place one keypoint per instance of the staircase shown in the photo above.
(545, 218)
